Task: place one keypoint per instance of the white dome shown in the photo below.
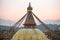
(29, 34)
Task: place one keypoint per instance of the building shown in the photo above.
(29, 32)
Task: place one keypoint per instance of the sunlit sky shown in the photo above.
(43, 9)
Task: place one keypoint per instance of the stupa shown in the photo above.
(29, 32)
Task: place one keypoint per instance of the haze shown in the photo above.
(44, 9)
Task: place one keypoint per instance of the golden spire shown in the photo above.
(29, 22)
(29, 9)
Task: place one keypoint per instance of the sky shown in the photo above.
(43, 9)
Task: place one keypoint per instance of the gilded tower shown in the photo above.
(30, 22)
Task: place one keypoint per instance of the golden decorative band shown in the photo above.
(29, 10)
